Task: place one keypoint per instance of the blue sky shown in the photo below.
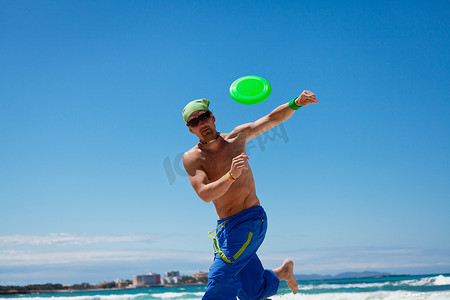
(91, 94)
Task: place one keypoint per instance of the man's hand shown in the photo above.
(238, 164)
(306, 98)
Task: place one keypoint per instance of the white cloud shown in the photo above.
(69, 249)
(10, 258)
(66, 239)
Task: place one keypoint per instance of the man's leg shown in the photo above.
(222, 282)
(236, 246)
(257, 283)
(286, 272)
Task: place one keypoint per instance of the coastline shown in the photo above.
(15, 290)
(390, 283)
(420, 287)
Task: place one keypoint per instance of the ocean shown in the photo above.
(432, 287)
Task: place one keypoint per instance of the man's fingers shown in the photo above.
(240, 163)
(239, 158)
(243, 162)
(242, 167)
(313, 99)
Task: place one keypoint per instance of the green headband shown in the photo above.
(199, 104)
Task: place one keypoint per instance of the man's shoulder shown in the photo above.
(240, 131)
(193, 152)
(192, 156)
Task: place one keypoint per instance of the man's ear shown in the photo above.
(190, 129)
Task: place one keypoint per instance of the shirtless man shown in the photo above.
(219, 173)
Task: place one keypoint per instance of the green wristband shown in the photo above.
(292, 105)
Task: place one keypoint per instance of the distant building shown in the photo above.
(200, 276)
(172, 274)
(172, 277)
(146, 280)
(121, 284)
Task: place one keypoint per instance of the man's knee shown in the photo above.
(221, 287)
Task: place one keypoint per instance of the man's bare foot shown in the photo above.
(286, 272)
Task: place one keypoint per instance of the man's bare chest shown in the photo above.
(217, 163)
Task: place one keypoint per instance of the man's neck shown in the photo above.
(213, 144)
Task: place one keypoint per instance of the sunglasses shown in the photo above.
(195, 121)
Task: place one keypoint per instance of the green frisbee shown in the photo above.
(250, 90)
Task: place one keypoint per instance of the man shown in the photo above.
(219, 173)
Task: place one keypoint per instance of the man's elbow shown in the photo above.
(205, 196)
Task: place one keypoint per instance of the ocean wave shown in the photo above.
(174, 295)
(428, 281)
(68, 296)
(342, 286)
(382, 295)
(140, 296)
(429, 288)
(439, 280)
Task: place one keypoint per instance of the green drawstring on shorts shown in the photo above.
(218, 229)
(215, 246)
(220, 252)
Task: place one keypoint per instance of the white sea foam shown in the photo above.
(382, 295)
(167, 295)
(428, 281)
(342, 286)
(67, 296)
(170, 295)
(441, 280)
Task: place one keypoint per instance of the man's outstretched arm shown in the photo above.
(277, 116)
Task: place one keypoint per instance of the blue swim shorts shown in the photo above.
(237, 270)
